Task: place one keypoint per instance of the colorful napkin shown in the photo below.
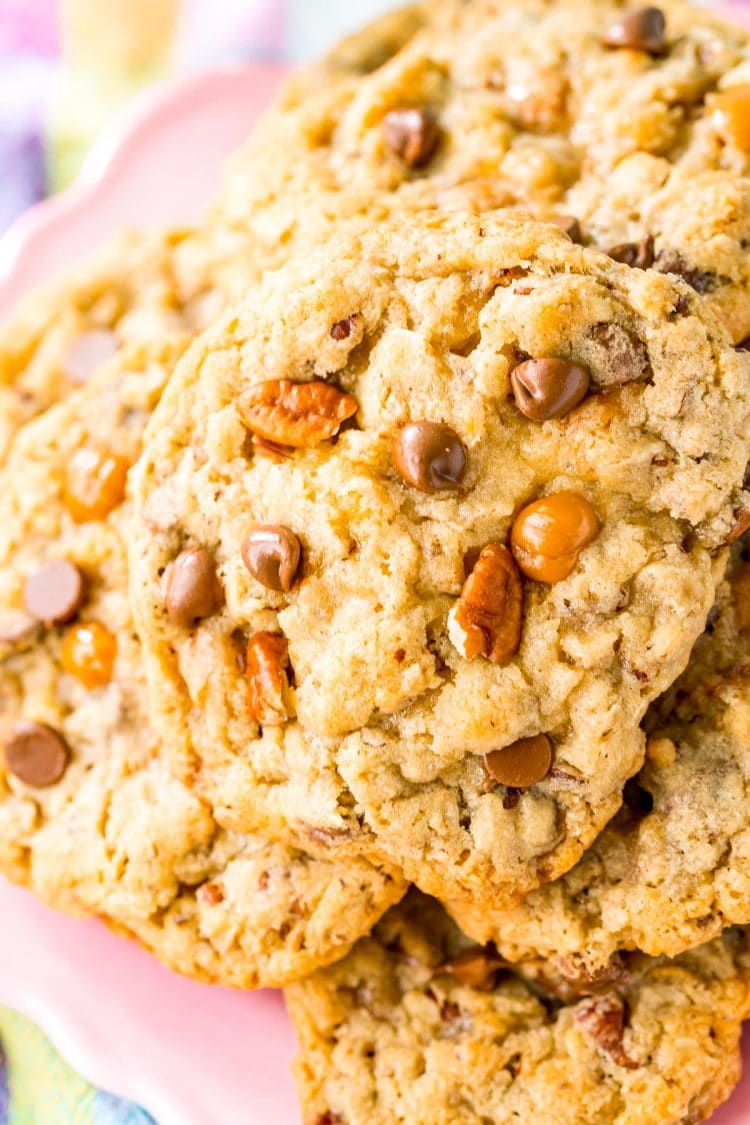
(38, 1088)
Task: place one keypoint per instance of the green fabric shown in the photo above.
(43, 1088)
(38, 1088)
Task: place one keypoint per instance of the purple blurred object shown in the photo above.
(22, 175)
(25, 85)
(4, 1100)
(28, 55)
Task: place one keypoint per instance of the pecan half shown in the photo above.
(300, 415)
(604, 1020)
(486, 620)
(267, 682)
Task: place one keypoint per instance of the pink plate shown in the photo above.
(188, 1053)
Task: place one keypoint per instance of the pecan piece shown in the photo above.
(300, 415)
(474, 968)
(267, 682)
(604, 1019)
(486, 620)
(619, 355)
(584, 980)
(741, 524)
(211, 894)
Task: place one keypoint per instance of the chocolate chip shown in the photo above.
(639, 255)
(87, 353)
(475, 968)
(522, 764)
(548, 388)
(429, 456)
(17, 627)
(670, 261)
(330, 1118)
(193, 588)
(36, 754)
(642, 29)
(54, 593)
(271, 553)
(570, 225)
(622, 357)
(412, 135)
(604, 1020)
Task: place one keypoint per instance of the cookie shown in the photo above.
(450, 613)
(137, 289)
(90, 817)
(417, 1025)
(628, 128)
(671, 871)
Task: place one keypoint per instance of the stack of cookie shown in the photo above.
(388, 530)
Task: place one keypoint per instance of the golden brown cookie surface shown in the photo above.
(418, 1026)
(458, 576)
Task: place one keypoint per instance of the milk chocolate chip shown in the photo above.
(548, 388)
(412, 135)
(639, 255)
(429, 456)
(36, 754)
(53, 594)
(271, 553)
(193, 587)
(570, 225)
(641, 29)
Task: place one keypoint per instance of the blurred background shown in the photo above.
(68, 67)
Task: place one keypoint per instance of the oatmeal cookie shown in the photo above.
(671, 871)
(628, 125)
(147, 286)
(450, 490)
(417, 1025)
(137, 289)
(90, 817)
